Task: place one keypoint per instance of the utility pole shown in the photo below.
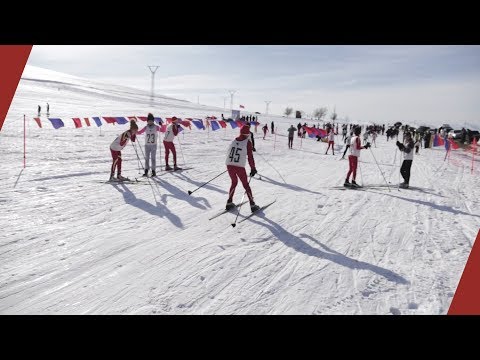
(153, 69)
(231, 98)
(224, 101)
(268, 103)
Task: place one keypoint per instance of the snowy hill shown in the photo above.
(74, 245)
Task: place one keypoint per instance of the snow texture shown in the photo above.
(71, 244)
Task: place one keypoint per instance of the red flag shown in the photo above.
(454, 144)
(38, 122)
(87, 121)
(78, 122)
(143, 118)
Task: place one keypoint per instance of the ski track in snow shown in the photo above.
(73, 245)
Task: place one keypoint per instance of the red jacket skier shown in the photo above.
(355, 147)
(117, 145)
(238, 151)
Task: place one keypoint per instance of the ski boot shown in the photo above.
(121, 178)
(175, 168)
(154, 173)
(254, 207)
(347, 184)
(230, 205)
(146, 173)
(168, 168)
(354, 184)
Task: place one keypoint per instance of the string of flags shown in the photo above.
(201, 124)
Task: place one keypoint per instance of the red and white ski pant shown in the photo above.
(117, 162)
(236, 172)
(352, 161)
(169, 146)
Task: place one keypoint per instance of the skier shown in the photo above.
(331, 137)
(374, 137)
(39, 110)
(273, 128)
(291, 132)
(48, 109)
(355, 147)
(151, 141)
(170, 133)
(252, 138)
(407, 159)
(265, 129)
(237, 153)
(347, 141)
(116, 147)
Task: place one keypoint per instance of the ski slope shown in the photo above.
(71, 244)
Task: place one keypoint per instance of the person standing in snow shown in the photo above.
(237, 153)
(251, 137)
(374, 137)
(265, 129)
(273, 128)
(407, 150)
(291, 132)
(39, 110)
(170, 133)
(117, 146)
(355, 147)
(151, 140)
(348, 138)
(331, 141)
(48, 109)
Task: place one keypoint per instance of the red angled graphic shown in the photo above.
(14, 58)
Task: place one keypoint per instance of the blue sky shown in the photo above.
(434, 84)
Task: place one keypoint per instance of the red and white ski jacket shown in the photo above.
(122, 140)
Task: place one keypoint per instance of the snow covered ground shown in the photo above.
(71, 244)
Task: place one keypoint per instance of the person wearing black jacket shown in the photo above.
(407, 150)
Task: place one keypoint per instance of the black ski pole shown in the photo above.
(241, 202)
(190, 192)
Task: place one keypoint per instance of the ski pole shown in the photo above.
(190, 192)
(241, 202)
(380, 169)
(399, 169)
(361, 175)
(138, 157)
(181, 150)
(394, 164)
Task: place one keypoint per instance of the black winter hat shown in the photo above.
(150, 116)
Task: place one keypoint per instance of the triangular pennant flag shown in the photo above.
(38, 122)
(121, 120)
(97, 121)
(87, 122)
(110, 119)
(77, 122)
(223, 124)
(215, 125)
(57, 123)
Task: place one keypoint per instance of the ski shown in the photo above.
(261, 208)
(182, 169)
(128, 181)
(226, 211)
